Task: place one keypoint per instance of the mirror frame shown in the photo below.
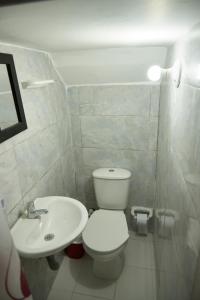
(6, 133)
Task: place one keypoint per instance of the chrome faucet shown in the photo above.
(33, 213)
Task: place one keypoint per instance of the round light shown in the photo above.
(154, 73)
(198, 72)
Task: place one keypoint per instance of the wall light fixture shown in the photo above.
(155, 72)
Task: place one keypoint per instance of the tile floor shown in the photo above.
(75, 280)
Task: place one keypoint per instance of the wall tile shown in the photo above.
(37, 162)
(10, 189)
(87, 109)
(14, 214)
(68, 172)
(122, 100)
(7, 162)
(73, 95)
(116, 127)
(118, 132)
(5, 146)
(136, 161)
(86, 94)
(51, 184)
(155, 96)
(178, 174)
(35, 156)
(76, 131)
(64, 135)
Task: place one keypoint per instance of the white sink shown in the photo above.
(65, 220)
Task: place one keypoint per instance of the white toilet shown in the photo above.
(106, 232)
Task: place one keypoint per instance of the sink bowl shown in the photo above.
(64, 222)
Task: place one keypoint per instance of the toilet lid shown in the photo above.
(106, 230)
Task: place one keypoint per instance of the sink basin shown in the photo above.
(64, 222)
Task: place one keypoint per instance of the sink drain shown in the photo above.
(49, 237)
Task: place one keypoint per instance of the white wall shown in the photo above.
(111, 65)
(38, 161)
(178, 177)
(116, 126)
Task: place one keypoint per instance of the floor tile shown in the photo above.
(67, 274)
(139, 253)
(136, 283)
(60, 295)
(134, 235)
(76, 281)
(88, 284)
(85, 297)
(168, 286)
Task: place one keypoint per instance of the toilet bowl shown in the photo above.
(105, 238)
(106, 233)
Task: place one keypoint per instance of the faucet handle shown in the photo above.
(30, 206)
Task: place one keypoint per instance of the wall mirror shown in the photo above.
(12, 117)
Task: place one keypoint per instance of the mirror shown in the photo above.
(12, 118)
(8, 114)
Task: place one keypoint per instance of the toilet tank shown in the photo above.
(111, 187)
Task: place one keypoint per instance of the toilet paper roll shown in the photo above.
(166, 225)
(142, 223)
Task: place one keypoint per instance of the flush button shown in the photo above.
(111, 170)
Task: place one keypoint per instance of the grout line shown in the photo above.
(139, 267)
(79, 120)
(92, 296)
(116, 149)
(146, 117)
(81, 131)
(150, 103)
(137, 83)
(115, 290)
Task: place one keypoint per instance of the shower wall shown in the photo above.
(116, 126)
(177, 240)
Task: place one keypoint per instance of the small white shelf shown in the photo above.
(36, 84)
(6, 92)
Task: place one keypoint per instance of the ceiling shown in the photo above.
(62, 25)
(112, 65)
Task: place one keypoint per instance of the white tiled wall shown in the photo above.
(39, 161)
(116, 126)
(178, 188)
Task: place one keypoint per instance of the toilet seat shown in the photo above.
(106, 230)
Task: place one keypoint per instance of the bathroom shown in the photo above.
(99, 150)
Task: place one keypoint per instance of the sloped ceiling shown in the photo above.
(66, 28)
(59, 25)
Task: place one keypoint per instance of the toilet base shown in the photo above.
(110, 269)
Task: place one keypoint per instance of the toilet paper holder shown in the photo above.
(141, 216)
